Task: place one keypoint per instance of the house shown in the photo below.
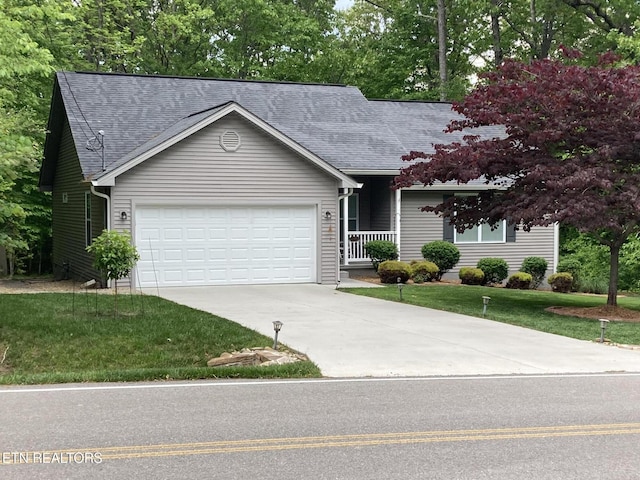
(239, 182)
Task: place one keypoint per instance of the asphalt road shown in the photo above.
(536, 427)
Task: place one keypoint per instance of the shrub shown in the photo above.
(471, 276)
(113, 254)
(536, 267)
(424, 271)
(444, 254)
(594, 285)
(390, 270)
(572, 266)
(520, 280)
(380, 251)
(560, 282)
(495, 269)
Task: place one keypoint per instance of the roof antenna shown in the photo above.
(97, 143)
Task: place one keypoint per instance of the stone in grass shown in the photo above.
(255, 356)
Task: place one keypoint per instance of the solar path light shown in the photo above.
(485, 304)
(400, 285)
(277, 325)
(603, 326)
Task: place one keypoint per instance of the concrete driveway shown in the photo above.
(353, 336)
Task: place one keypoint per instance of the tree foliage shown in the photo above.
(113, 254)
(570, 152)
(23, 66)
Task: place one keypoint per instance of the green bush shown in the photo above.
(536, 267)
(380, 251)
(560, 282)
(113, 254)
(390, 270)
(520, 280)
(471, 276)
(594, 285)
(495, 269)
(444, 254)
(572, 266)
(423, 271)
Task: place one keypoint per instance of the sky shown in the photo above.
(343, 4)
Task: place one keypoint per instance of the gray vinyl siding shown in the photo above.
(68, 219)
(420, 227)
(198, 171)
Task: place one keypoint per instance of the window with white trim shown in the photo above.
(482, 234)
(88, 237)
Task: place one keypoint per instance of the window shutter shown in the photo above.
(447, 227)
(511, 232)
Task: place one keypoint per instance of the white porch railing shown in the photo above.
(354, 250)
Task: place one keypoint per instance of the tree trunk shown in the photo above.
(442, 48)
(496, 34)
(612, 298)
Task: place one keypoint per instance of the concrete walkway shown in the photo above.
(353, 336)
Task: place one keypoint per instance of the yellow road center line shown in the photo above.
(355, 440)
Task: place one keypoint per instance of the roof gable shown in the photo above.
(194, 123)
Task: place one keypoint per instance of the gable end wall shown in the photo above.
(198, 171)
(68, 221)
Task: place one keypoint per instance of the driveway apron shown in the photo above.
(353, 336)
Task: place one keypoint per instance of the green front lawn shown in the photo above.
(525, 308)
(52, 338)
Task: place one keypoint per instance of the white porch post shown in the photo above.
(556, 246)
(397, 222)
(345, 230)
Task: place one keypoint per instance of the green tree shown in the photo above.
(23, 66)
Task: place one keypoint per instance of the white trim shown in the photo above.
(345, 229)
(556, 246)
(398, 199)
(109, 179)
(452, 187)
(88, 220)
(392, 173)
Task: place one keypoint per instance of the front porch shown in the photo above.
(356, 240)
(371, 213)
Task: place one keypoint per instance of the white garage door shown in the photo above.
(225, 245)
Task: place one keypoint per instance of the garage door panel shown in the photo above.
(226, 245)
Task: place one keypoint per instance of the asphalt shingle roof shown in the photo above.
(337, 123)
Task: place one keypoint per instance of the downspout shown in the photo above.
(108, 208)
(108, 200)
(345, 224)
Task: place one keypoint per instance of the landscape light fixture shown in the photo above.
(400, 285)
(485, 303)
(277, 325)
(603, 326)
(123, 216)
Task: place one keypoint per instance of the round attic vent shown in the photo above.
(230, 141)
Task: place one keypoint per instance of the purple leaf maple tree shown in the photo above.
(570, 152)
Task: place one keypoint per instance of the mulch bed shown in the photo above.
(616, 314)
